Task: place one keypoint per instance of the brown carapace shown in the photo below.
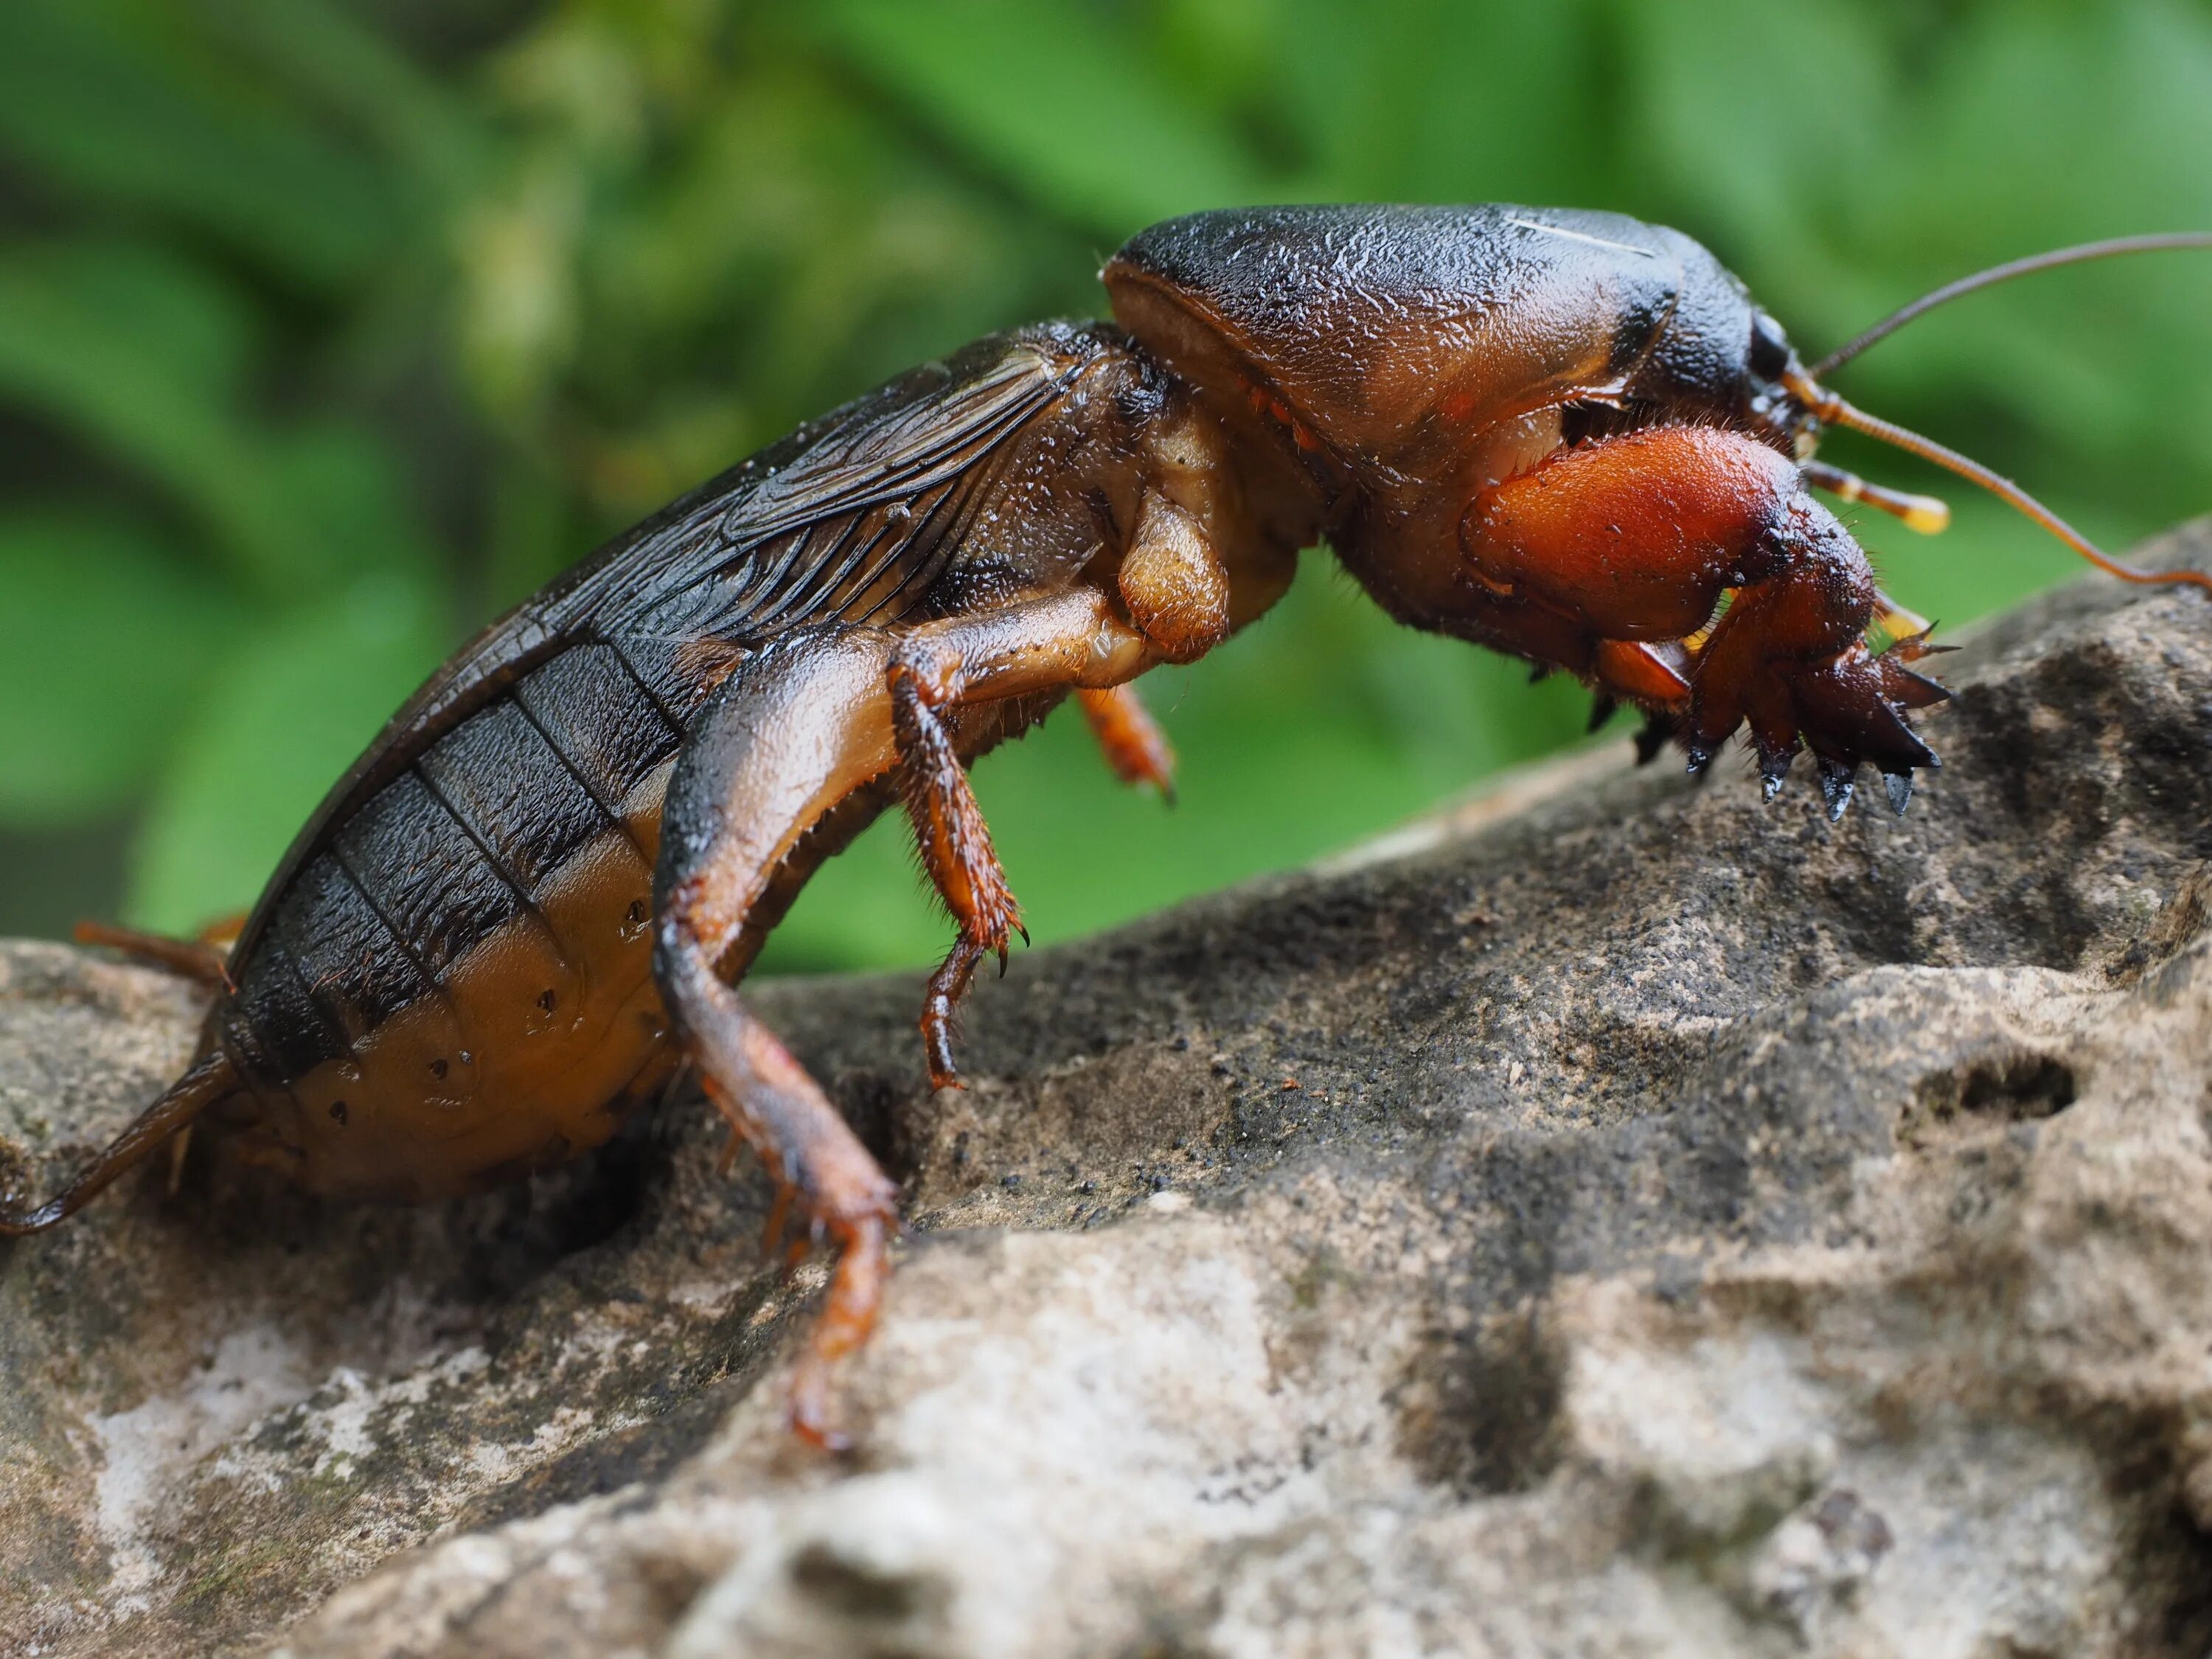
(1567, 436)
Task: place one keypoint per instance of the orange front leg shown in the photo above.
(1638, 537)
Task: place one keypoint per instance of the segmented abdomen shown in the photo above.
(456, 986)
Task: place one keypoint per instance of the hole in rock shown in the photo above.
(858, 1592)
(1482, 1414)
(2017, 1086)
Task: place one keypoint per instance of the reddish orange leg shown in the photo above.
(779, 1212)
(1790, 658)
(778, 745)
(790, 735)
(1073, 638)
(946, 986)
(1134, 746)
(817, 1161)
(956, 849)
(1649, 677)
(1638, 535)
(948, 823)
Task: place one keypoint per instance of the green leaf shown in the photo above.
(110, 107)
(345, 502)
(142, 354)
(279, 724)
(1435, 101)
(1052, 101)
(138, 353)
(339, 65)
(1739, 112)
(105, 635)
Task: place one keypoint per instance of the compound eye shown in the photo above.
(1770, 347)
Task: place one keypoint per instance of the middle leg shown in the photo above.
(1075, 640)
(1135, 747)
(1172, 603)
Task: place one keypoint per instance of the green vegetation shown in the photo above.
(327, 330)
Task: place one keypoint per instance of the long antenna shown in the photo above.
(2065, 256)
(1834, 411)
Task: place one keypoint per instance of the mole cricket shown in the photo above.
(1567, 436)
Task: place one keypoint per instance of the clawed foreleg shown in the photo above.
(1640, 538)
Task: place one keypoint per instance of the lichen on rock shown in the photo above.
(1605, 1218)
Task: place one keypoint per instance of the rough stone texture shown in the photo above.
(1608, 1219)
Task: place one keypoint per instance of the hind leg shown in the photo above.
(818, 1165)
(790, 734)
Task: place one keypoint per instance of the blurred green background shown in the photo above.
(328, 330)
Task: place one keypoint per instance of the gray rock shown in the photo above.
(1606, 1219)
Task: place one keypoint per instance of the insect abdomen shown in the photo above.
(456, 987)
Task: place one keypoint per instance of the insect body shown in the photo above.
(1570, 436)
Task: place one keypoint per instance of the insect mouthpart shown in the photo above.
(1928, 514)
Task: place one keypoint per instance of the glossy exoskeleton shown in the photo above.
(1567, 436)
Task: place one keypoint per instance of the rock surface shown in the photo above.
(1608, 1220)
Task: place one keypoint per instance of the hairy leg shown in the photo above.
(797, 729)
(1135, 747)
(1074, 640)
(794, 730)
(1170, 604)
